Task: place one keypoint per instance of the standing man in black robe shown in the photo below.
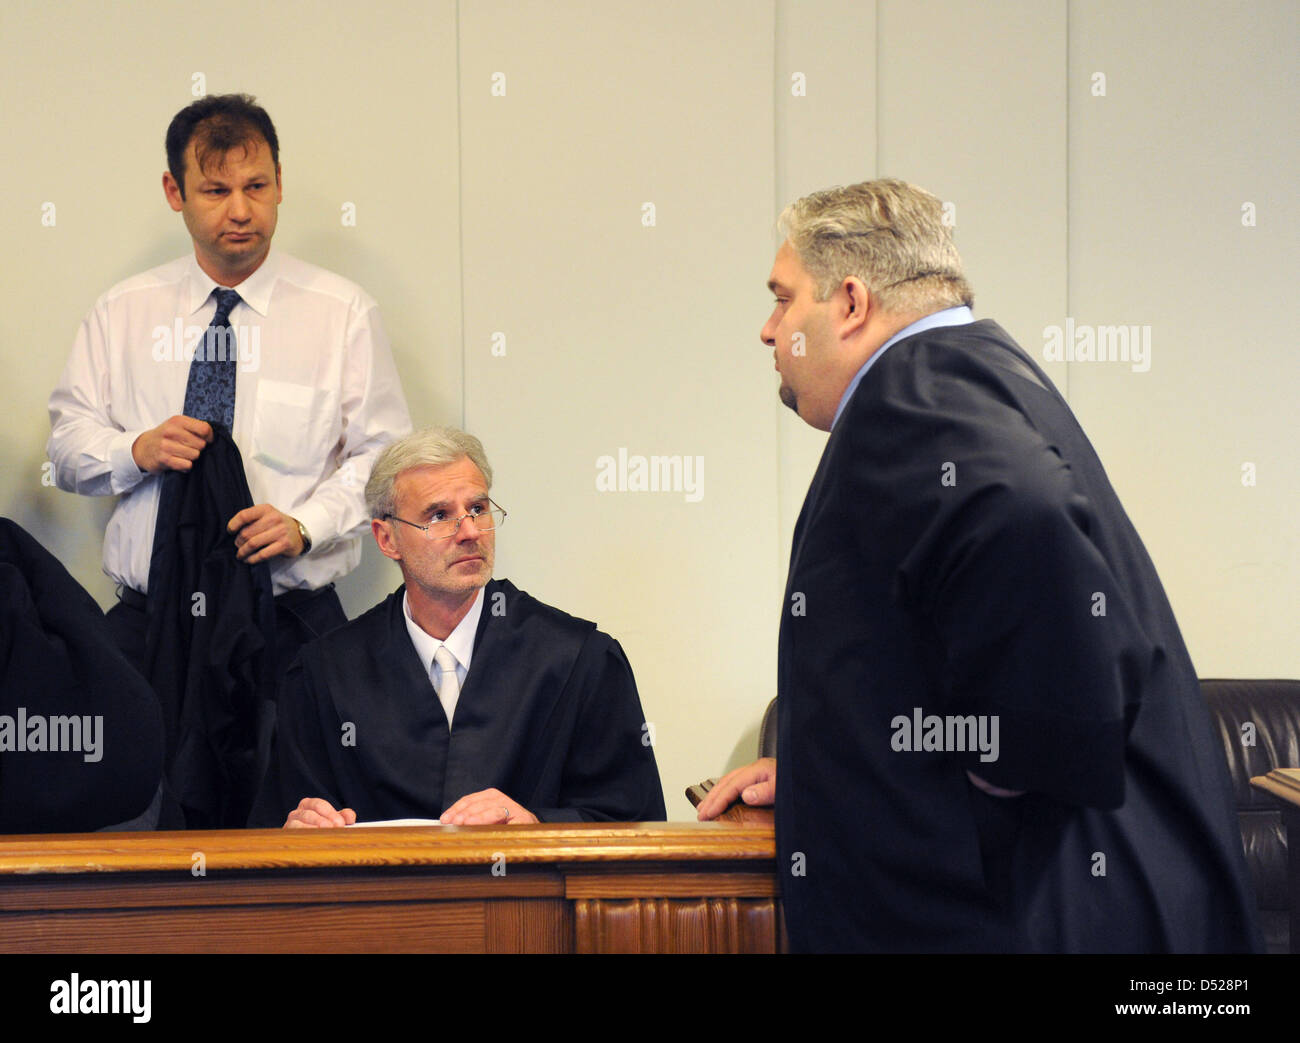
(459, 696)
(991, 736)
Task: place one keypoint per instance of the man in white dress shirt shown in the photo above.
(315, 392)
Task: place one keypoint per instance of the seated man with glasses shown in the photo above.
(458, 697)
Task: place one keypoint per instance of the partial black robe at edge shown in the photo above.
(548, 714)
(961, 551)
(58, 660)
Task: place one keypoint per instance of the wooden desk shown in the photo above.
(593, 887)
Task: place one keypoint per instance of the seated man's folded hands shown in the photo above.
(316, 813)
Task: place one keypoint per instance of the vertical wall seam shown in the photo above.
(779, 498)
(876, 91)
(1068, 81)
(460, 227)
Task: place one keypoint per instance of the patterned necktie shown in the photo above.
(210, 393)
(448, 684)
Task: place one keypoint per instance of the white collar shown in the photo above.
(255, 291)
(460, 642)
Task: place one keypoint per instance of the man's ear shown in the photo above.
(172, 191)
(279, 187)
(383, 533)
(855, 305)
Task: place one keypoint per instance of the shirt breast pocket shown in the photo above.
(294, 427)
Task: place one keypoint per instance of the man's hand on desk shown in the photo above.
(173, 445)
(487, 807)
(755, 784)
(317, 813)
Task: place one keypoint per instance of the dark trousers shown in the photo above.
(301, 616)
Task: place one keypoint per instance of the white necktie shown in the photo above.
(447, 683)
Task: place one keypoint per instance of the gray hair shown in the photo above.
(432, 447)
(889, 234)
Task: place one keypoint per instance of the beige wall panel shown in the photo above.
(1198, 119)
(825, 135)
(972, 107)
(619, 334)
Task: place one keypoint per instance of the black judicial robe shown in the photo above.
(57, 659)
(961, 552)
(548, 714)
(212, 660)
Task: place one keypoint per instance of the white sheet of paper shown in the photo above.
(400, 822)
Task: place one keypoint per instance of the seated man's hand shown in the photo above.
(318, 813)
(755, 784)
(173, 445)
(263, 532)
(487, 807)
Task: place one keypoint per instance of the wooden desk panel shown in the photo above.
(602, 887)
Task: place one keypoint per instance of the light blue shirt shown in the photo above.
(959, 316)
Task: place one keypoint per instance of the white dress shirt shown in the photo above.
(316, 399)
(460, 643)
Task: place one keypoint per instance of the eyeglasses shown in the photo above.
(485, 520)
